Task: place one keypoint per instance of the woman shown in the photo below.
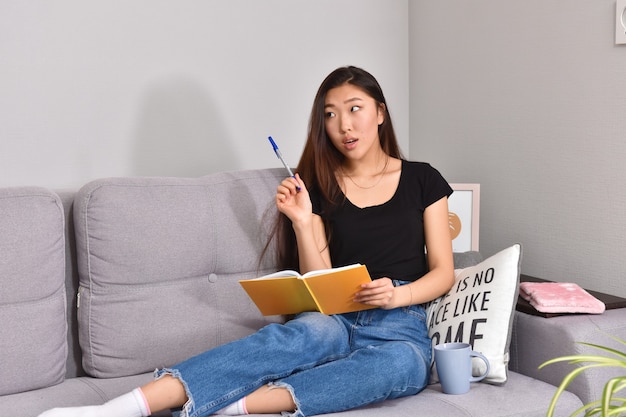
(354, 199)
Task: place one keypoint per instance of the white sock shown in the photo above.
(132, 404)
(235, 409)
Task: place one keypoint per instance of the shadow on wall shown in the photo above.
(179, 132)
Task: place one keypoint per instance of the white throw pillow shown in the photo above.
(479, 310)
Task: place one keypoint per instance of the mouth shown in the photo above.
(349, 141)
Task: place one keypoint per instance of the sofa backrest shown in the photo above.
(33, 326)
(214, 227)
(159, 261)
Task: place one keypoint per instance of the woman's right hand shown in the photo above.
(313, 252)
(294, 203)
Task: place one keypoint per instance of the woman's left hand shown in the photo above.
(380, 292)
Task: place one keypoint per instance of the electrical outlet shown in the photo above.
(620, 22)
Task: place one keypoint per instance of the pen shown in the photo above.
(278, 154)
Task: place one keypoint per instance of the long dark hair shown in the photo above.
(320, 160)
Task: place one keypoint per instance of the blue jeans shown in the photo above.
(328, 363)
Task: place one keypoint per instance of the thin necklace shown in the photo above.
(381, 175)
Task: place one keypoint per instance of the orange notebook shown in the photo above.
(329, 291)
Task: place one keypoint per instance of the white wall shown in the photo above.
(153, 87)
(529, 100)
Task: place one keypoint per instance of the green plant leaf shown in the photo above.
(609, 404)
(611, 388)
(564, 384)
(607, 349)
(619, 411)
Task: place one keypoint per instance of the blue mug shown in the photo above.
(454, 367)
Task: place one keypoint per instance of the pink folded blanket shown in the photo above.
(560, 297)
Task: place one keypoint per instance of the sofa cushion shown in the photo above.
(33, 329)
(466, 259)
(479, 310)
(159, 261)
(530, 397)
(73, 392)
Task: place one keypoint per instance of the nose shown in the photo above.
(345, 124)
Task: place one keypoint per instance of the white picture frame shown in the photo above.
(464, 217)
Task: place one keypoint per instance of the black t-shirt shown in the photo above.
(388, 238)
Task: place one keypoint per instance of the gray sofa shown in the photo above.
(102, 285)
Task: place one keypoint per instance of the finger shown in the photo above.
(289, 186)
(378, 283)
(375, 301)
(299, 182)
(281, 198)
(283, 190)
(373, 294)
(286, 189)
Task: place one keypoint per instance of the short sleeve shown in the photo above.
(435, 186)
(316, 200)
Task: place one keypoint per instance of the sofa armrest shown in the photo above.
(536, 339)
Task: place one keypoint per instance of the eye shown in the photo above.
(355, 108)
(330, 114)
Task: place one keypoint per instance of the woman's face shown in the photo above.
(352, 118)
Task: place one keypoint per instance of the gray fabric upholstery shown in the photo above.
(466, 259)
(74, 358)
(159, 262)
(72, 392)
(520, 397)
(33, 344)
(537, 339)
